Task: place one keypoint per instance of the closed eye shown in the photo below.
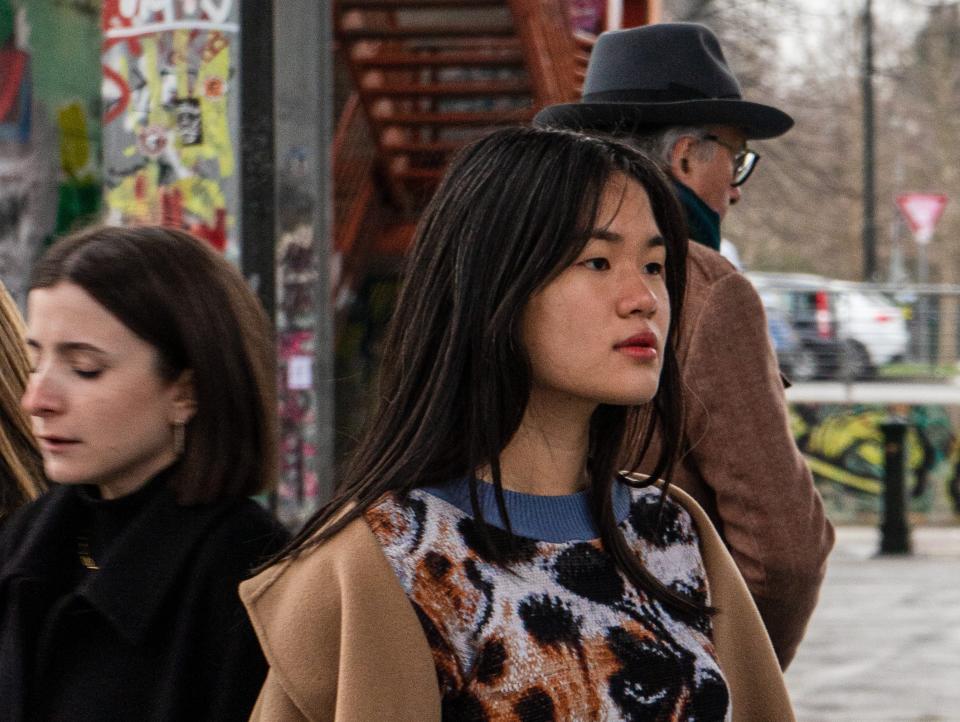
(88, 373)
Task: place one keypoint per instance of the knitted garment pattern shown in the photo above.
(558, 632)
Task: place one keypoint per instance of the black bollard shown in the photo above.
(894, 531)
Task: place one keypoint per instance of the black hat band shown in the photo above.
(675, 93)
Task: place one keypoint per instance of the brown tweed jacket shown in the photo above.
(345, 645)
(740, 460)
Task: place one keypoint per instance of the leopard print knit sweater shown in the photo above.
(556, 633)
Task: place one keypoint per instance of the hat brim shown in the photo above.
(757, 121)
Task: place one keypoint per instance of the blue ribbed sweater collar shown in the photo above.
(545, 518)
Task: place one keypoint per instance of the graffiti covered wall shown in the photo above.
(171, 114)
(844, 447)
(49, 126)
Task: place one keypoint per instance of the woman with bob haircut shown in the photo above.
(21, 475)
(484, 558)
(152, 395)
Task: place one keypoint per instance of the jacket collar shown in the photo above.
(141, 567)
(703, 223)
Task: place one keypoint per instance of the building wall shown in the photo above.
(171, 116)
(50, 169)
(844, 446)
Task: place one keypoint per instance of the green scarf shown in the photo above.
(703, 223)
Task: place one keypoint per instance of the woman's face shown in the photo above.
(99, 408)
(596, 333)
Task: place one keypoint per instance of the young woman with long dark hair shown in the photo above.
(152, 394)
(485, 557)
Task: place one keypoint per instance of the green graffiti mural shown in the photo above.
(49, 127)
(6, 21)
(844, 447)
(79, 196)
(61, 41)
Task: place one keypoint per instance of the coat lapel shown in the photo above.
(145, 562)
(135, 576)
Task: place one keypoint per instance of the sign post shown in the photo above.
(922, 211)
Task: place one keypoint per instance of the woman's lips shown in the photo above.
(643, 347)
(57, 443)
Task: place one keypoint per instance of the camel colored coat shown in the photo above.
(344, 644)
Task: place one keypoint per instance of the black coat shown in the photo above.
(158, 633)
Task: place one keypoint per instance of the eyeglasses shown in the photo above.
(744, 160)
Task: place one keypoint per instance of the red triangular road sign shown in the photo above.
(922, 211)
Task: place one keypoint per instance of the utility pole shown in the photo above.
(869, 154)
(898, 272)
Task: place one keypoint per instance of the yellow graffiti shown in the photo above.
(74, 144)
(216, 143)
(837, 434)
(178, 117)
(181, 47)
(151, 55)
(798, 425)
(202, 197)
(845, 440)
(135, 198)
(842, 476)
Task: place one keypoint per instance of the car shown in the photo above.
(805, 304)
(872, 327)
(852, 328)
(797, 360)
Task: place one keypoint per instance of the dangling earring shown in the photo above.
(179, 438)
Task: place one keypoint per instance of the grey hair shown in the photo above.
(658, 144)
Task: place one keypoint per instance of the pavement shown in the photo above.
(884, 642)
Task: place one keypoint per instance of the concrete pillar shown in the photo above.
(303, 71)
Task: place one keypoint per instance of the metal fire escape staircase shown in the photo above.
(428, 77)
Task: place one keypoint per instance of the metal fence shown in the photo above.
(829, 330)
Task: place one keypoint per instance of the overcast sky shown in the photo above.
(816, 23)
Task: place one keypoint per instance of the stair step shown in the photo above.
(433, 31)
(413, 4)
(507, 57)
(490, 117)
(452, 90)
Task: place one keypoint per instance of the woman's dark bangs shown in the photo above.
(587, 195)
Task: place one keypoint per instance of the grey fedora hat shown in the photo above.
(662, 74)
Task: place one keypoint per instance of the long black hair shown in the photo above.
(513, 211)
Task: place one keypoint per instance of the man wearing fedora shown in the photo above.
(667, 89)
